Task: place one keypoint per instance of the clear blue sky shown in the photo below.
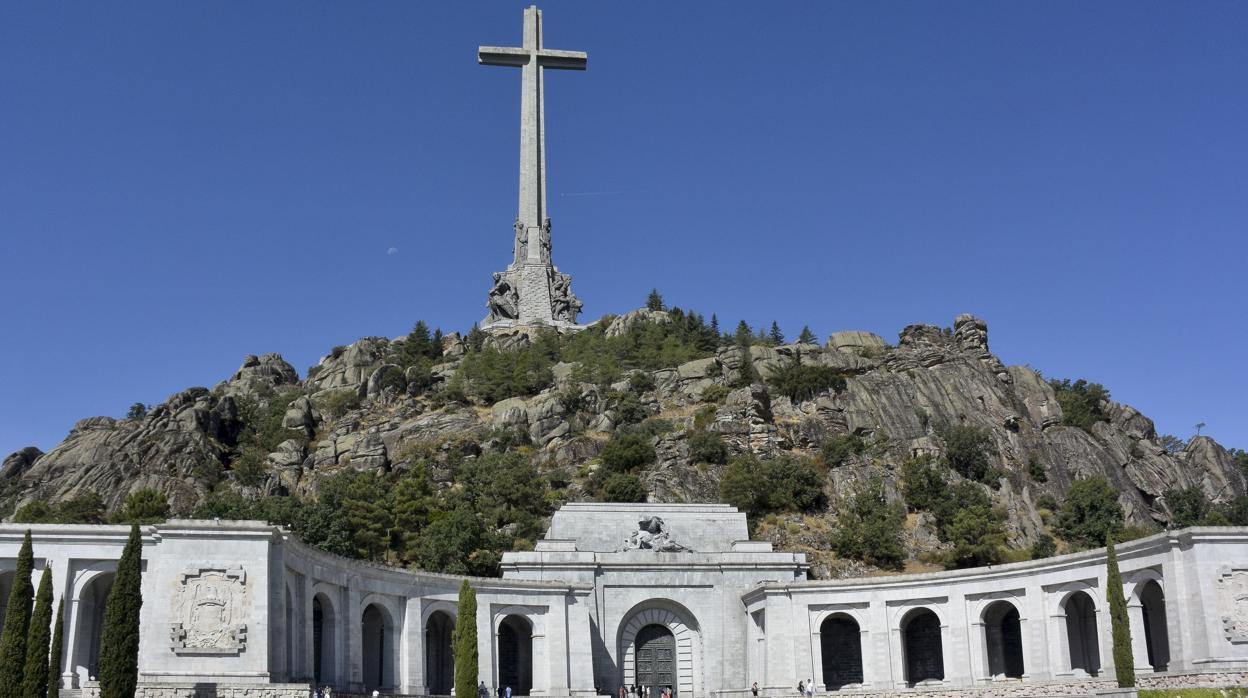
(182, 184)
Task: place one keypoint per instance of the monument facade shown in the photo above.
(532, 291)
(624, 594)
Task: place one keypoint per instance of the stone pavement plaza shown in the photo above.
(625, 593)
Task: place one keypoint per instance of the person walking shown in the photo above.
(810, 688)
(507, 692)
(754, 689)
(801, 689)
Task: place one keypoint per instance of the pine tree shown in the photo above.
(119, 642)
(54, 659)
(17, 624)
(1124, 661)
(464, 639)
(744, 336)
(807, 337)
(776, 336)
(654, 301)
(715, 324)
(35, 678)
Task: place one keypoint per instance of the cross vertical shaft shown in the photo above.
(532, 58)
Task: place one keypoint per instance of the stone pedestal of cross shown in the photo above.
(532, 291)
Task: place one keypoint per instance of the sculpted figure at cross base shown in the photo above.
(652, 534)
(503, 301)
(565, 305)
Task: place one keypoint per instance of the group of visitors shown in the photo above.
(640, 691)
(323, 692)
(804, 688)
(484, 692)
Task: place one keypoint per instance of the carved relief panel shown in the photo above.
(1233, 603)
(209, 611)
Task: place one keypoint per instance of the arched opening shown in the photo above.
(378, 637)
(686, 663)
(840, 644)
(1156, 635)
(91, 605)
(324, 642)
(515, 655)
(1003, 639)
(654, 660)
(439, 657)
(921, 647)
(1081, 636)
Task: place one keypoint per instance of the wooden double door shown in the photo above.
(655, 659)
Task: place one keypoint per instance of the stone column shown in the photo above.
(1180, 627)
(954, 636)
(877, 656)
(414, 648)
(309, 629)
(354, 635)
(1037, 663)
(1139, 640)
(781, 671)
(980, 660)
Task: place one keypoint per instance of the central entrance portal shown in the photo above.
(656, 659)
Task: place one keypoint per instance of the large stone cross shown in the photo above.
(531, 58)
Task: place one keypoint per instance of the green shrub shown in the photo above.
(464, 639)
(144, 506)
(1090, 513)
(628, 407)
(1188, 507)
(786, 483)
(1044, 547)
(977, 536)
(869, 528)
(800, 382)
(715, 394)
(707, 447)
(1081, 402)
(640, 381)
(137, 411)
(1036, 470)
(622, 487)
(836, 450)
(967, 451)
(119, 641)
(1120, 626)
(491, 375)
(626, 452)
(1046, 501)
(922, 484)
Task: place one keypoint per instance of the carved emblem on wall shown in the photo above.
(1233, 603)
(208, 611)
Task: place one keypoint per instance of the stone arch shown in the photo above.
(325, 640)
(514, 635)
(686, 635)
(1082, 638)
(379, 637)
(1152, 600)
(1003, 639)
(922, 646)
(840, 645)
(90, 597)
(439, 624)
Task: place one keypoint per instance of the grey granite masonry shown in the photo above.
(660, 594)
(532, 291)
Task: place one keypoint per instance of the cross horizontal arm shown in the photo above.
(499, 55)
(562, 60)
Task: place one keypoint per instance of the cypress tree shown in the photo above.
(464, 640)
(35, 677)
(17, 624)
(1124, 661)
(119, 643)
(54, 660)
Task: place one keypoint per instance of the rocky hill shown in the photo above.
(371, 405)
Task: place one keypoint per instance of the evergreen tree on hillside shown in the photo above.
(35, 677)
(776, 336)
(54, 659)
(655, 301)
(17, 624)
(807, 337)
(714, 324)
(464, 640)
(744, 336)
(1124, 661)
(119, 642)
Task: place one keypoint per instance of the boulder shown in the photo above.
(856, 342)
